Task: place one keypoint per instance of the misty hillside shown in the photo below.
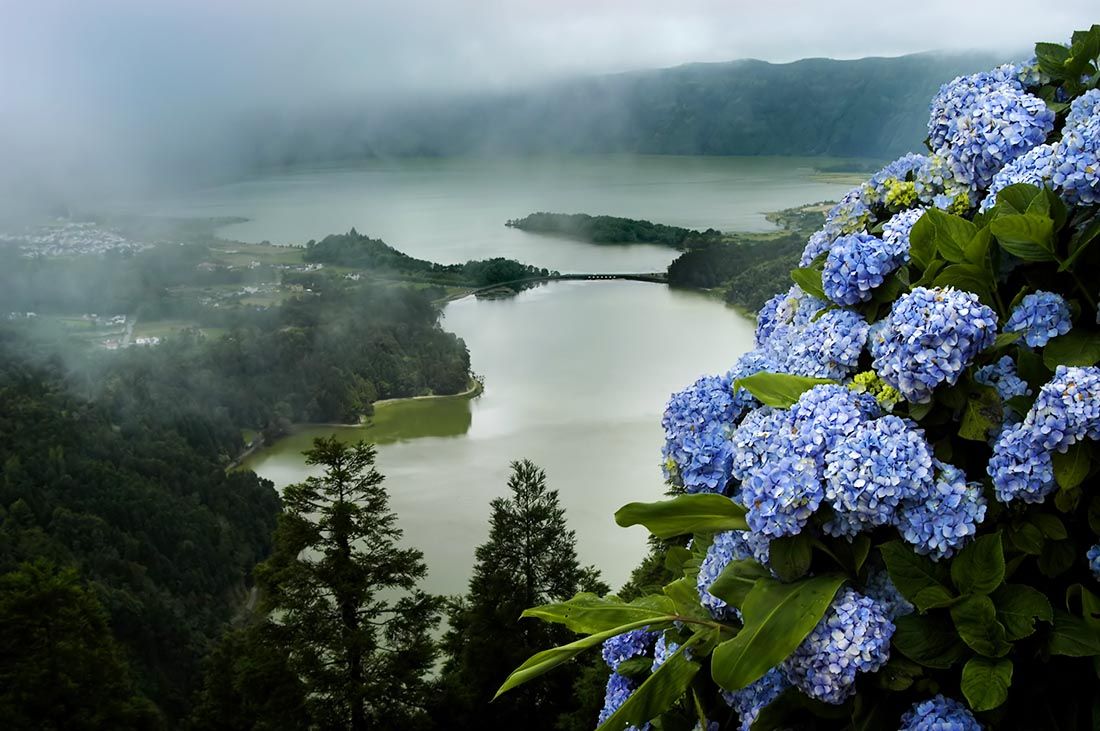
(875, 107)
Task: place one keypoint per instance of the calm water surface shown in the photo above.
(576, 373)
(454, 210)
(576, 376)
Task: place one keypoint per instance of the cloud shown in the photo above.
(96, 88)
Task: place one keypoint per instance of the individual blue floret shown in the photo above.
(1093, 556)
(939, 713)
(1040, 316)
(943, 521)
(929, 338)
(853, 637)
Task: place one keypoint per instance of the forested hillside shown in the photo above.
(165, 538)
(874, 107)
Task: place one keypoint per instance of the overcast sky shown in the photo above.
(106, 76)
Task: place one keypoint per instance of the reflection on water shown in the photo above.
(576, 378)
(396, 421)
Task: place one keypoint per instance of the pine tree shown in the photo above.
(248, 684)
(529, 559)
(357, 627)
(60, 667)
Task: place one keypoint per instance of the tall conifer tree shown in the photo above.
(357, 626)
(529, 559)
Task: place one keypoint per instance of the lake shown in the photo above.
(576, 373)
(453, 210)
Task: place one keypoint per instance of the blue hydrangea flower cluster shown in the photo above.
(878, 187)
(943, 521)
(939, 713)
(779, 455)
(1002, 376)
(1034, 168)
(757, 439)
(857, 263)
(958, 96)
(1083, 111)
(698, 422)
(663, 649)
(880, 587)
(733, 545)
(929, 338)
(828, 347)
(849, 215)
(818, 244)
(1030, 75)
(1066, 410)
(896, 230)
(1021, 469)
(869, 473)
(785, 312)
(620, 648)
(790, 340)
(1093, 556)
(999, 127)
(618, 690)
(753, 698)
(852, 637)
(1077, 168)
(1040, 316)
(822, 417)
(781, 496)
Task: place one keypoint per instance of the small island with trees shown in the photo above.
(614, 230)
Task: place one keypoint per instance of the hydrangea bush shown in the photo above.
(882, 517)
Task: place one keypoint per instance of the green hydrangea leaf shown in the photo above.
(985, 682)
(777, 617)
(698, 513)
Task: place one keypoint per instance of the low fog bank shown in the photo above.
(123, 98)
(872, 108)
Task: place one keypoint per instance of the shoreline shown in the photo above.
(260, 444)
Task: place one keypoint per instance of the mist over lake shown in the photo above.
(452, 210)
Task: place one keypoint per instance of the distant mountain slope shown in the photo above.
(872, 107)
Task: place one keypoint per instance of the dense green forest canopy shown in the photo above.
(142, 508)
(614, 230)
(748, 268)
